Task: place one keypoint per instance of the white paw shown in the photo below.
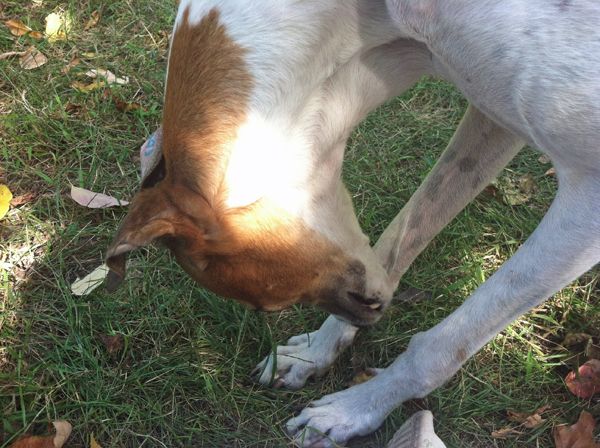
(336, 418)
(305, 356)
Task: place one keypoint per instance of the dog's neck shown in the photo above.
(265, 76)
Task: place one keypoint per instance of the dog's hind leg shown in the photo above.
(564, 246)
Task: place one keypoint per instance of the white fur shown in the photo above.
(530, 71)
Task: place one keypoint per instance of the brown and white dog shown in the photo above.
(260, 99)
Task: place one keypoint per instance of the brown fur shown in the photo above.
(257, 254)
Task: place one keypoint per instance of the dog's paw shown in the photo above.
(305, 356)
(336, 418)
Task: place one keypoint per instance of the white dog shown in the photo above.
(260, 99)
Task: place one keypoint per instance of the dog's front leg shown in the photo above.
(564, 246)
(477, 152)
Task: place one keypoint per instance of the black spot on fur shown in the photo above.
(433, 187)
(466, 164)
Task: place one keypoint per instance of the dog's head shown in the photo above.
(228, 234)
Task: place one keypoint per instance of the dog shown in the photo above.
(260, 99)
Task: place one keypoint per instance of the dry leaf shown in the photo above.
(363, 376)
(124, 106)
(86, 88)
(5, 198)
(32, 58)
(17, 28)
(63, 431)
(58, 26)
(586, 382)
(526, 419)
(592, 351)
(87, 284)
(36, 35)
(550, 172)
(505, 433)
(579, 435)
(113, 344)
(109, 76)
(73, 63)
(516, 192)
(93, 443)
(10, 54)
(73, 109)
(91, 199)
(93, 20)
(23, 199)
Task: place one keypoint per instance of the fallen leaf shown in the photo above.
(550, 172)
(73, 63)
(585, 383)
(36, 35)
(516, 192)
(91, 199)
(579, 435)
(109, 76)
(93, 443)
(5, 198)
(505, 433)
(23, 199)
(363, 376)
(86, 88)
(93, 20)
(58, 26)
(73, 109)
(17, 28)
(10, 54)
(87, 284)
(113, 344)
(63, 431)
(32, 58)
(124, 106)
(527, 420)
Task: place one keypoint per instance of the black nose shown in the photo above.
(370, 302)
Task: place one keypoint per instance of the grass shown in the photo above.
(181, 378)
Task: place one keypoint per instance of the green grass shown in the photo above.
(182, 378)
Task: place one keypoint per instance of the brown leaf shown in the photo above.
(73, 109)
(505, 433)
(17, 28)
(550, 172)
(23, 199)
(63, 431)
(586, 382)
(113, 344)
(109, 76)
(37, 35)
(32, 58)
(73, 63)
(86, 88)
(93, 443)
(124, 106)
(10, 54)
(93, 20)
(579, 435)
(592, 351)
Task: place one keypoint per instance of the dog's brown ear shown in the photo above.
(151, 216)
